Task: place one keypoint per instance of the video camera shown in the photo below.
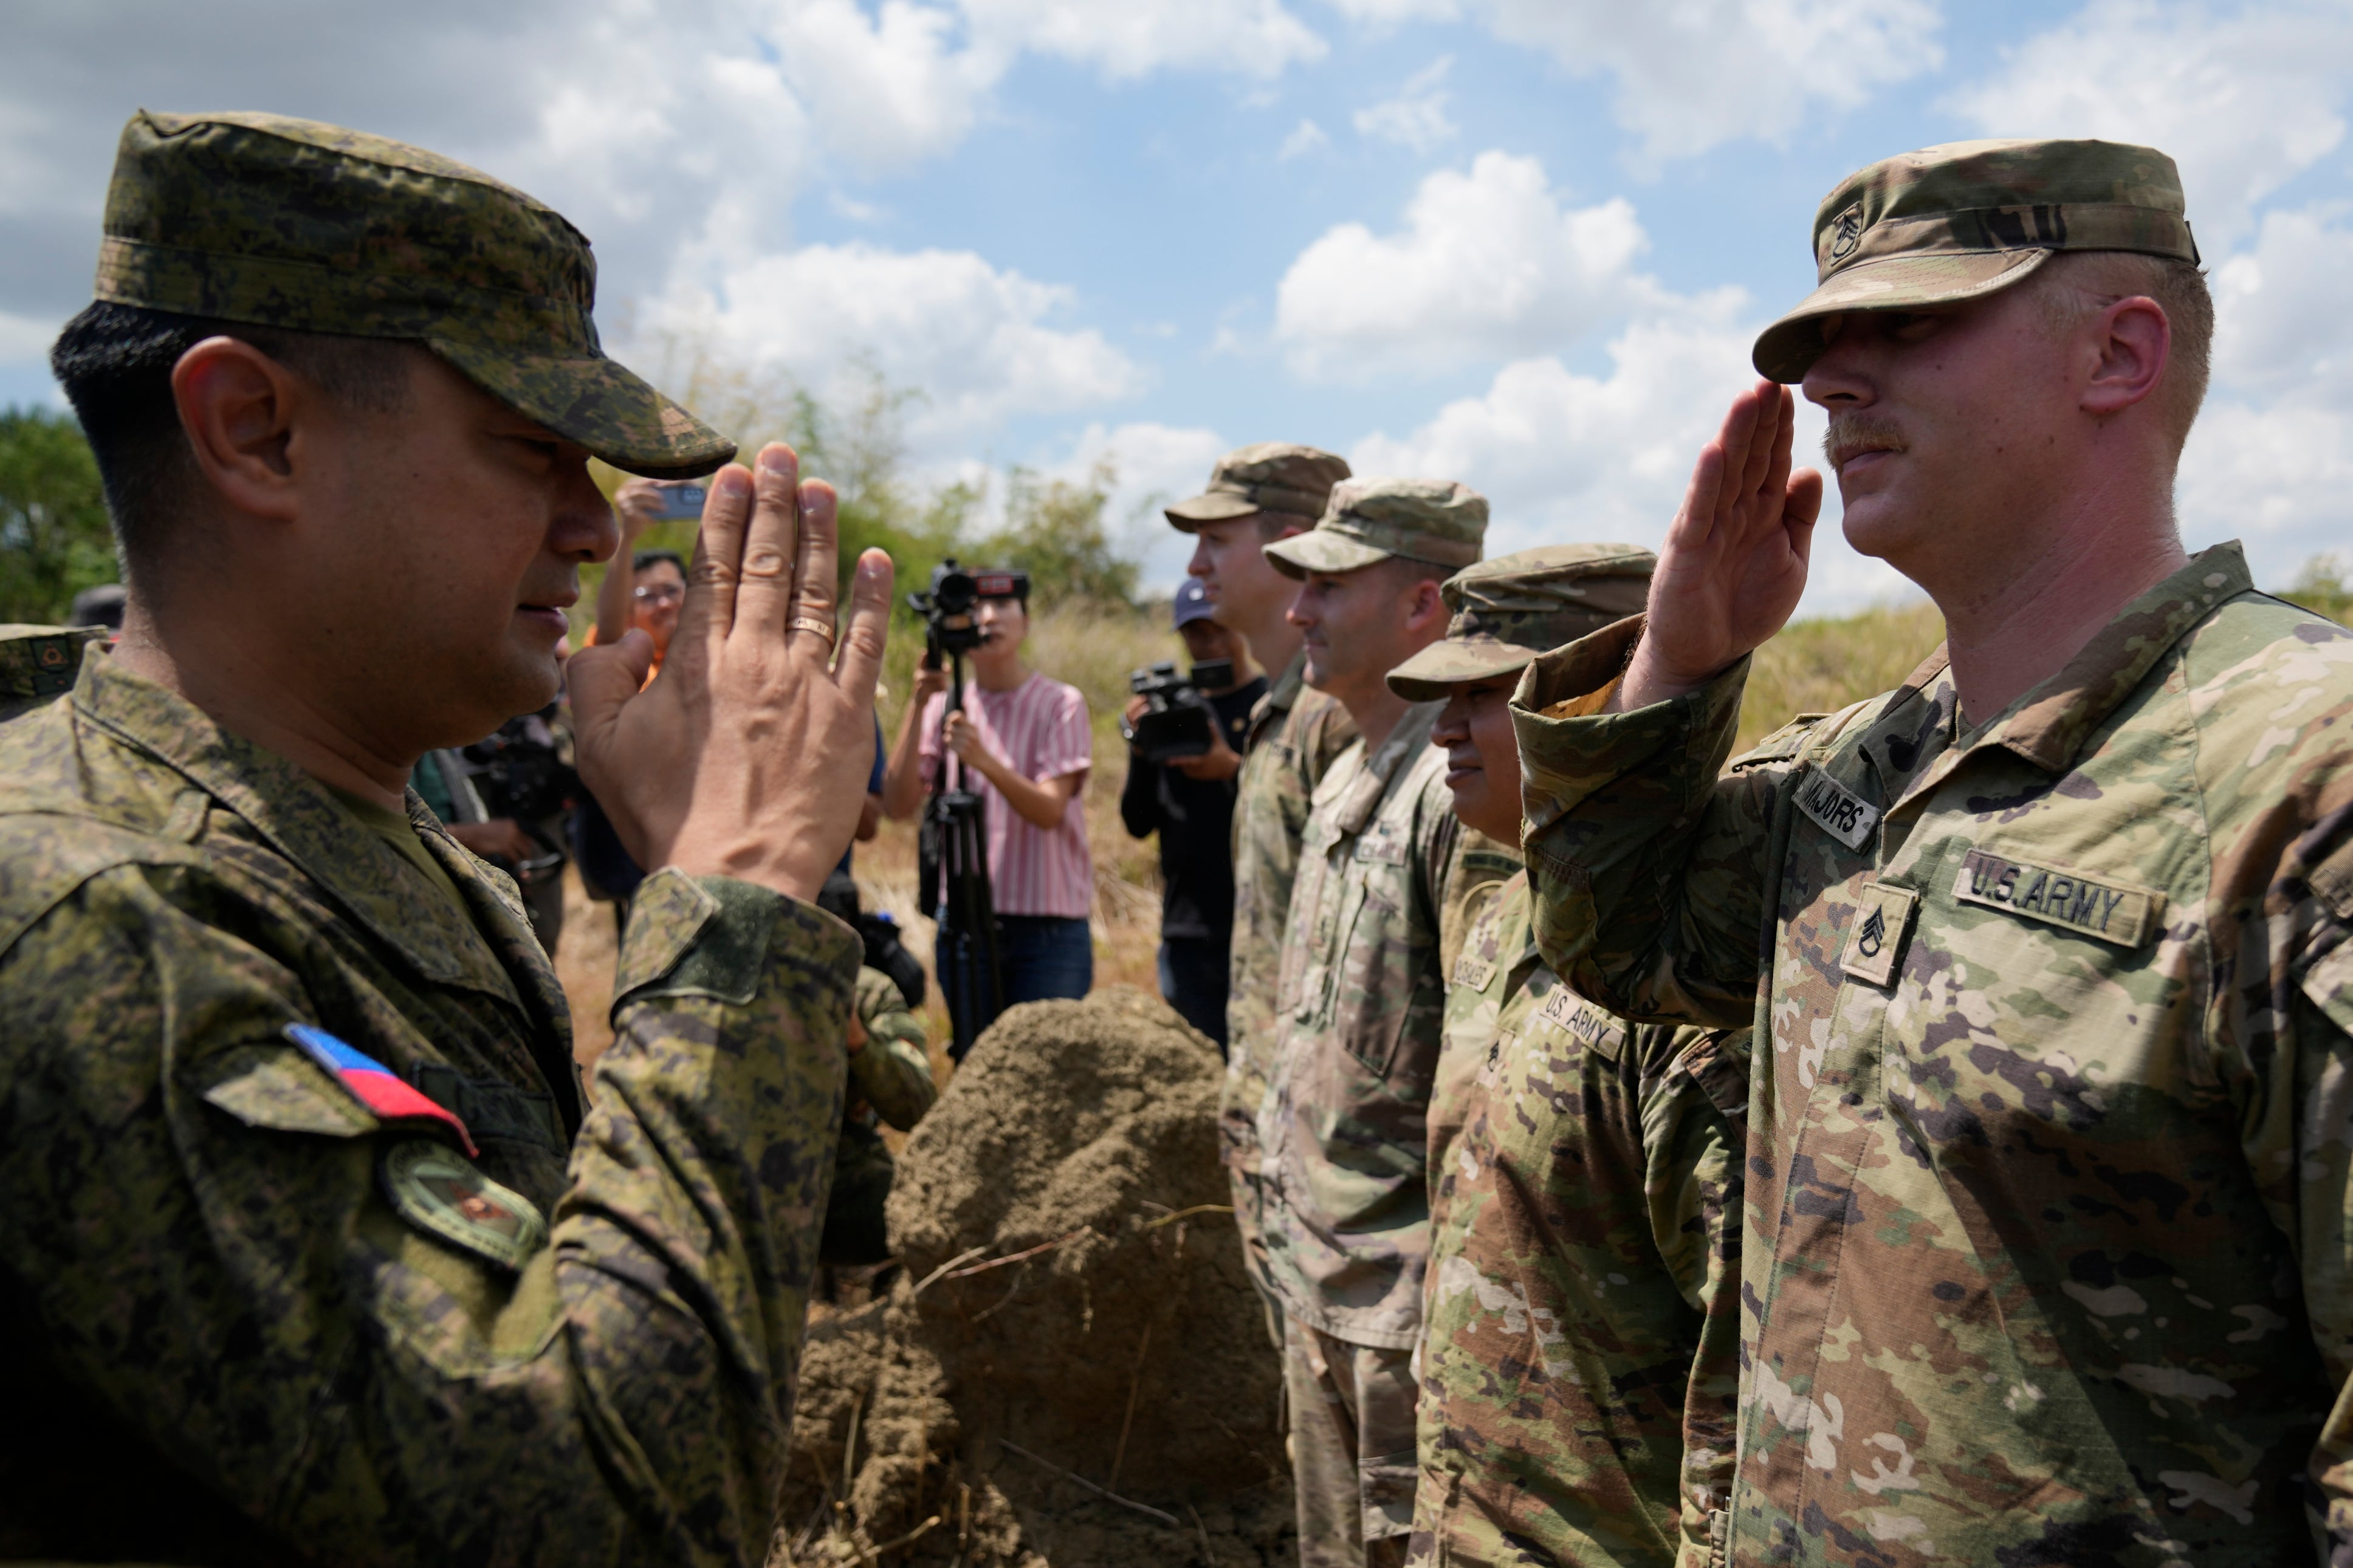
(947, 605)
(1177, 721)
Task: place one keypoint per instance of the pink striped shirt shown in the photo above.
(1040, 730)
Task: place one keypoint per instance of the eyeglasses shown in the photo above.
(662, 593)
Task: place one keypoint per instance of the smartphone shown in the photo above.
(682, 502)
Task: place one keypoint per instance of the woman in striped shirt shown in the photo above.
(1025, 744)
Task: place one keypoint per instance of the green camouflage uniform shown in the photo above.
(890, 1082)
(37, 664)
(2049, 1171)
(1357, 1005)
(267, 1313)
(1582, 1322)
(1293, 736)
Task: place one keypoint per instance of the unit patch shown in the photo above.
(1883, 917)
(2112, 912)
(1573, 1015)
(440, 1192)
(1836, 809)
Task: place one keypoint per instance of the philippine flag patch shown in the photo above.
(374, 1085)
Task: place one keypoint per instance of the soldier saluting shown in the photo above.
(2048, 1178)
(308, 1241)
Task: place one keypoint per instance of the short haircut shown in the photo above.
(115, 362)
(645, 558)
(1275, 525)
(1408, 571)
(2075, 285)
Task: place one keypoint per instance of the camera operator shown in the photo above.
(1189, 801)
(1026, 745)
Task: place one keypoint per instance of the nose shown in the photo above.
(583, 528)
(1200, 565)
(1837, 378)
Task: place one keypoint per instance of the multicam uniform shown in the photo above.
(1580, 1335)
(221, 1288)
(2049, 1171)
(1295, 736)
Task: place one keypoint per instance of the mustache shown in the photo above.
(1854, 432)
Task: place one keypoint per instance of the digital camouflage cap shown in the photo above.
(1269, 475)
(1509, 610)
(1968, 218)
(1436, 521)
(313, 228)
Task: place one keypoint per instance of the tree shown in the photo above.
(54, 540)
(2320, 587)
(1054, 529)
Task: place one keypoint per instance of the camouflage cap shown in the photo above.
(313, 228)
(1968, 218)
(1271, 476)
(1509, 611)
(1436, 520)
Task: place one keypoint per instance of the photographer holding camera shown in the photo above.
(1024, 745)
(1183, 787)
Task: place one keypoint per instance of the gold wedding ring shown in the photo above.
(811, 623)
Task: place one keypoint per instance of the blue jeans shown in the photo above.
(1040, 957)
(1193, 977)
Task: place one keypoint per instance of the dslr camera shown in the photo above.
(1177, 721)
(947, 605)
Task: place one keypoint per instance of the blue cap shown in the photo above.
(1192, 602)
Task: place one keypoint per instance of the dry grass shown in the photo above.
(1820, 665)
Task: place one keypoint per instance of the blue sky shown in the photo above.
(1520, 243)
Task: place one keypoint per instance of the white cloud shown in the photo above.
(1489, 264)
(1135, 37)
(1155, 463)
(1566, 457)
(1305, 138)
(980, 343)
(2242, 100)
(1416, 117)
(1694, 74)
(889, 88)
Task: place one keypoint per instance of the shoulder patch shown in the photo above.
(1573, 1015)
(372, 1083)
(442, 1194)
(2112, 912)
(1836, 809)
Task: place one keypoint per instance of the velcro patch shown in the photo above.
(1883, 917)
(1473, 973)
(1575, 1016)
(441, 1194)
(1384, 844)
(2112, 912)
(1836, 809)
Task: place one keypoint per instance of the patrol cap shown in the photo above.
(1272, 475)
(313, 228)
(1970, 218)
(1436, 521)
(1510, 610)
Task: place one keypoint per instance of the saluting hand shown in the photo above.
(1734, 563)
(748, 757)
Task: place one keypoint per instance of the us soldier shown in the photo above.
(1578, 1357)
(1259, 495)
(2046, 1246)
(37, 664)
(1342, 1182)
(307, 1241)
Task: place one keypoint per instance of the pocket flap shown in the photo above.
(277, 1087)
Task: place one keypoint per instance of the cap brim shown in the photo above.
(1211, 508)
(1437, 669)
(1319, 550)
(600, 404)
(1788, 348)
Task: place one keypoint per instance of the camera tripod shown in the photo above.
(953, 878)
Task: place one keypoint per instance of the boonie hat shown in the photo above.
(1509, 611)
(1970, 218)
(1436, 520)
(1192, 605)
(312, 228)
(1272, 475)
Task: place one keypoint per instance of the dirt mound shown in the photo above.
(1073, 1319)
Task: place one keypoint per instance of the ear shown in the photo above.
(1428, 605)
(2134, 342)
(241, 410)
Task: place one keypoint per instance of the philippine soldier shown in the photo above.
(37, 664)
(889, 1084)
(307, 1243)
(1577, 1362)
(2046, 1243)
(1346, 1212)
(1259, 495)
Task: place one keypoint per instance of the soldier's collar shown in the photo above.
(2050, 724)
(1379, 769)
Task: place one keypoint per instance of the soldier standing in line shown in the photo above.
(2046, 1250)
(1578, 1360)
(1343, 1179)
(1259, 495)
(308, 1241)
